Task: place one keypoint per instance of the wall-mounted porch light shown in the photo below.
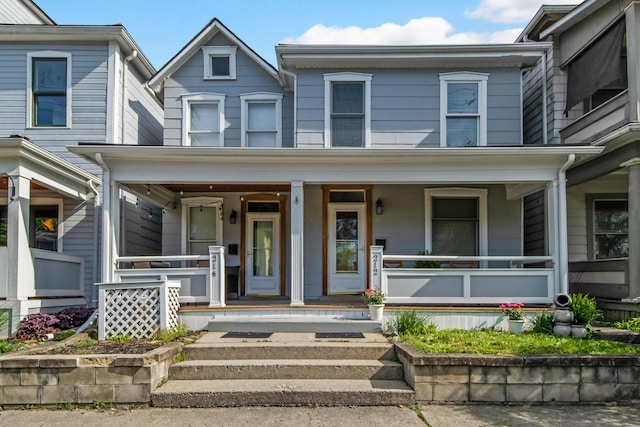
(379, 207)
(10, 189)
(233, 217)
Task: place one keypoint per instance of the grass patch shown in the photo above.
(172, 334)
(495, 342)
(629, 324)
(412, 323)
(120, 338)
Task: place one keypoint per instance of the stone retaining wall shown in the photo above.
(52, 379)
(459, 378)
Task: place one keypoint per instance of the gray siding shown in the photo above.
(534, 224)
(15, 12)
(405, 107)
(88, 98)
(250, 77)
(79, 239)
(143, 114)
(141, 234)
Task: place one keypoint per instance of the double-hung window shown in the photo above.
(49, 89)
(203, 120)
(261, 120)
(610, 228)
(347, 110)
(463, 109)
(219, 62)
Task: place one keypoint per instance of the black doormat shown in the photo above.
(339, 335)
(247, 335)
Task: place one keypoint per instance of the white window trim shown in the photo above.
(265, 97)
(203, 201)
(464, 77)
(347, 77)
(46, 54)
(457, 192)
(212, 51)
(50, 201)
(202, 98)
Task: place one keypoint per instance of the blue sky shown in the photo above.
(163, 27)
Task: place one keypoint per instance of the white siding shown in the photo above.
(15, 12)
(143, 114)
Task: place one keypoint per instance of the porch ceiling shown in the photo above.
(181, 165)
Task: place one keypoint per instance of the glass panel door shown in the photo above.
(263, 248)
(347, 248)
(262, 257)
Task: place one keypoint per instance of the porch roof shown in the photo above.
(176, 164)
(19, 156)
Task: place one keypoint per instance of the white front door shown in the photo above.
(347, 248)
(262, 272)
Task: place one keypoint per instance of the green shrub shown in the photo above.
(120, 338)
(172, 334)
(629, 324)
(427, 263)
(412, 323)
(543, 323)
(584, 309)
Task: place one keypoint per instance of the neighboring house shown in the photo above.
(593, 81)
(315, 179)
(62, 85)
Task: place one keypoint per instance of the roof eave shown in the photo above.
(576, 15)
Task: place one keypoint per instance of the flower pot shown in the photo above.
(578, 331)
(562, 300)
(515, 326)
(562, 315)
(562, 330)
(375, 312)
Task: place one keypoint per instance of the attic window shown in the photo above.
(219, 62)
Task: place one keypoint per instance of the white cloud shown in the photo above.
(511, 11)
(427, 30)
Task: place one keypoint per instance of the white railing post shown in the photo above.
(170, 303)
(217, 277)
(375, 269)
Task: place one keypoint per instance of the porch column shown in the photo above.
(20, 271)
(375, 265)
(297, 243)
(217, 291)
(107, 262)
(633, 167)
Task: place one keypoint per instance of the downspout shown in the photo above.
(94, 270)
(563, 250)
(125, 71)
(106, 220)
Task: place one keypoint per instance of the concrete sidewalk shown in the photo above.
(434, 416)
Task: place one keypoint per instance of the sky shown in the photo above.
(162, 27)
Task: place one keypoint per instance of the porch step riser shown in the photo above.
(285, 371)
(282, 393)
(382, 352)
(293, 325)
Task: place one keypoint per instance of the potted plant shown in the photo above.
(585, 311)
(427, 263)
(375, 300)
(515, 314)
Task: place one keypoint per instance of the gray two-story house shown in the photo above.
(592, 78)
(330, 174)
(62, 85)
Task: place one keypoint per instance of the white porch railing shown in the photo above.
(57, 274)
(499, 279)
(202, 277)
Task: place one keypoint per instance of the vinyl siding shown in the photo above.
(250, 77)
(143, 114)
(405, 107)
(88, 98)
(15, 12)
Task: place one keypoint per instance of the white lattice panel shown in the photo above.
(138, 309)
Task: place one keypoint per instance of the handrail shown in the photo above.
(163, 258)
(513, 259)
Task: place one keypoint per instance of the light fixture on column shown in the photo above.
(379, 207)
(148, 189)
(5, 180)
(150, 213)
(233, 217)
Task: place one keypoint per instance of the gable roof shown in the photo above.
(211, 29)
(576, 15)
(39, 13)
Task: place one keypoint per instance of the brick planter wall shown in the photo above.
(52, 379)
(460, 378)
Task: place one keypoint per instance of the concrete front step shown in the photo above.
(292, 324)
(287, 369)
(282, 392)
(282, 350)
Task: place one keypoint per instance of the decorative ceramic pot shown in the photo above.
(562, 300)
(562, 330)
(515, 326)
(562, 315)
(375, 312)
(578, 331)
